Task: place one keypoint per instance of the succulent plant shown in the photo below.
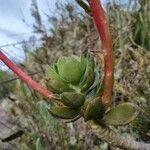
(72, 80)
(76, 84)
(71, 74)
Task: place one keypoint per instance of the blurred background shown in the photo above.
(34, 34)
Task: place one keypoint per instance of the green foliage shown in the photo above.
(122, 114)
(130, 24)
(141, 27)
(94, 110)
(64, 112)
(78, 75)
(4, 89)
(76, 35)
(75, 73)
(39, 145)
(71, 69)
(73, 99)
(71, 73)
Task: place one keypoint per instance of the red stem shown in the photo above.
(103, 29)
(23, 76)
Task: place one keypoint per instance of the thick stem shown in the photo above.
(23, 76)
(115, 139)
(103, 29)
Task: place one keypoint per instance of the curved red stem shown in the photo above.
(103, 29)
(23, 76)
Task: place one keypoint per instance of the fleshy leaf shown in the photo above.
(52, 74)
(70, 69)
(38, 144)
(57, 86)
(122, 114)
(64, 112)
(88, 76)
(94, 110)
(97, 87)
(73, 99)
(83, 61)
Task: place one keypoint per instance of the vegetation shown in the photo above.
(73, 33)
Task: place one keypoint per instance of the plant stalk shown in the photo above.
(23, 76)
(103, 29)
(116, 140)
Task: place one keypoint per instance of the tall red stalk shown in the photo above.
(23, 76)
(103, 29)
